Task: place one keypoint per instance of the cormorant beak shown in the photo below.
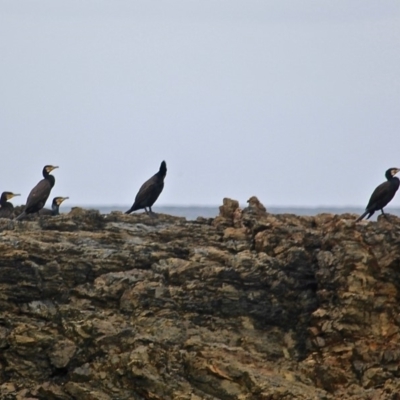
(11, 195)
(60, 200)
(396, 170)
(51, 167)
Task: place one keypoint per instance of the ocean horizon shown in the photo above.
(193, 212)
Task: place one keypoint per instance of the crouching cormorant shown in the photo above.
(39, 194)
(6, 208)
(149, 191)
(382, 195)
(55, 207)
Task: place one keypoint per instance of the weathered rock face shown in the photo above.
(246, 306)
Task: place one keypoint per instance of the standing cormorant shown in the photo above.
(149, 191)
(55, 207)
(382, 195)
(39, 194)
(6, 208)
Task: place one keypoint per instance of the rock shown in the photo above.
(228, 208)
(249, 305)
(63, 352)
(228, 213)
(50, 391)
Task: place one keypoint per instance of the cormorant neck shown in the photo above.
(55, 208)
(5, 204)
(51, 179)
(389, 176)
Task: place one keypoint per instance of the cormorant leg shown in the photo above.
(152, 213)
(145, 209)
(384, 214)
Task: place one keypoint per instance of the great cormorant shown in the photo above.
(382, 195)
(6, 208)
(149, 191)
(39, 194)
(55, 207)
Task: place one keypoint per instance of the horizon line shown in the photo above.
(217, 206)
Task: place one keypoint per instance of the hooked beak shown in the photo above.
(62, 199)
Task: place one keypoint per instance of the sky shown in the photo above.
(295, 102)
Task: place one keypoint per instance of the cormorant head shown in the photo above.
(48, 168)
(8, 195)
(163, 169)
(391, 172)
(58, 200)
(11, 195)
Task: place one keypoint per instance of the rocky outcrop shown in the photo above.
(248, 305)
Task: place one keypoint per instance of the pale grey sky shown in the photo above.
(296, 102)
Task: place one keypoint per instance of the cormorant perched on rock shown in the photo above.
(382, 195)
(6, 208)
(39, 194)
(149, 191)
(55, 207)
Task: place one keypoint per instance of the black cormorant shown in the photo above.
(149, 191)
(55, 207)
(6, 208)
(39, 194)
(382, 195)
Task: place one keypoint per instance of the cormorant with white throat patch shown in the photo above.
(39, 194)
(383, 194)
(55, 207)
(6, 208)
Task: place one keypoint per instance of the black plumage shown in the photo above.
(149, 191)
(39, 194)
(6, 208)
(383, 194)
(55, 207)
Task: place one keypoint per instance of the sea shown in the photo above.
(193, 212)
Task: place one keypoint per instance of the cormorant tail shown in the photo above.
(20, 216)
(363, 215)
(132, 209)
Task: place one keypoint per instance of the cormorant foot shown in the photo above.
(152, 214)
